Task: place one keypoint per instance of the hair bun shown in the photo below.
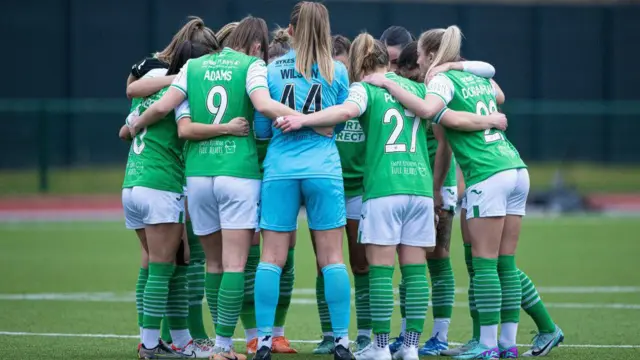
(196, 21)
(281, 36)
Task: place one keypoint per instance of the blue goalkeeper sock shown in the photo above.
(266, 292)
(338, 297)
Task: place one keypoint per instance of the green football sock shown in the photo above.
(178, 307)
(195, 285)
(487, 291)
(323, 309)
(443, 285)
(178, 300)
(533, 305)
(212, 286)
(286, 288)
(511, 289)
(248, 312)
(473, 311)
(381, 298)
(143, 274)
(363, 313)
(414, 277)
(230, 299)
(402, 289)
(156, 293)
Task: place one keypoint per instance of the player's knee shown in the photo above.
(439, 252)
(360, 269)
(144, 259)
(214, 266)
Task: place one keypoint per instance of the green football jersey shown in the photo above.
(396, 147)
(155, 157)
(481, 154)
(351, 146)
(217, 88)
(432, 144)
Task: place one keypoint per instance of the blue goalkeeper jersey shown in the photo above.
(304, 153)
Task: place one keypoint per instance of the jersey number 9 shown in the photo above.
(223, 99)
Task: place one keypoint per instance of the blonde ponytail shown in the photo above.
(312, 39)
(446, 43)
(367, 54)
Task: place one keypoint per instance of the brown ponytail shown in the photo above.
(367, 55)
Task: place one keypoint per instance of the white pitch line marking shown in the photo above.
(114, 336)
(130, 297)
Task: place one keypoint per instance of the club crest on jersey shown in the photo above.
(422, 169)
(230, 146)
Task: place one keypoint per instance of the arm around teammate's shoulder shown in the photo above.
(169, 101)
(189, 130)
(264, 104)
(466, 121)
(257, 88)
(354, 106)
(148, 86)
(328, 117)
(425, 108)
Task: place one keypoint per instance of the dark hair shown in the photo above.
(341, 45)
(185, 51)
(408, 62)
(250, 30)
(396, 36)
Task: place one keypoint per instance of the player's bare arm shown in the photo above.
(423, 108)
(124, 133)
(169, 101)
(466, 121)
(189, 130)
(328, 117)
(148, 86)
(262, 102)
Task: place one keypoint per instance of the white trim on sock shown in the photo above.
(140, 333)
(180, 337)
(489, 335)
(344, 341)
(508, 334)
(328, 334)
(150, 338)
(364, 332)
(250, 334)
(441, 329)
(403, 326)
(278, 331)
(223, 342)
